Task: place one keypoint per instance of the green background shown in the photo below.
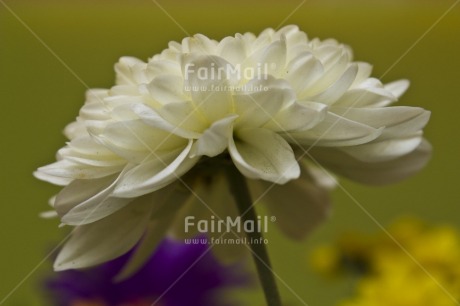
(39, 96)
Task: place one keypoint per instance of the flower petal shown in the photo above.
(152, 118)
(303, 70)
(155, 172)
(184, 116)
(134, 140)
(87, 201)
(167, 88)
(263, 154)
(233, 49)
(84, 150)
(335, 130)
(258, 107)
(399, 121)
(79, 191)
(365, 97)
(56, 180)
(298, 116)
(64, 170)
(397, 88)
(168, 203)
(338, 88)
(215, 139)
(379, 151)
(364, 71)
(128, 70)
(272, 59)
(334, 67)
(378, 173)
(105, 239)
(208, 79)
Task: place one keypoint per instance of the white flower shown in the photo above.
(259, 100)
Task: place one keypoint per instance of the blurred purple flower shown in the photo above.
(169, 278)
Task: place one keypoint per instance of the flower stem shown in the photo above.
(240, 192)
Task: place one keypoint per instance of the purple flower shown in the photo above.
(169, 278)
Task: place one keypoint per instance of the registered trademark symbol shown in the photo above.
(272, 218)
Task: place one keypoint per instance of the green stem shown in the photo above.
(240, 192)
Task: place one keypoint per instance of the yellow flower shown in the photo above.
(421, 266)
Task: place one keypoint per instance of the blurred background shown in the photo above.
(417, 40)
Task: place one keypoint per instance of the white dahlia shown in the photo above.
(167, 127)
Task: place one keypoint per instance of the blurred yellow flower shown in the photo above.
(420, 266)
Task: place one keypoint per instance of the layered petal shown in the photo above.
(263, 154)
(167, 204)
(105, 239)
(257, 107)
(375, 173)
(65, 170)
(215, 139)
(298, 116)
(336, 131)
(87, 201)
(208, 79)
(155, 172)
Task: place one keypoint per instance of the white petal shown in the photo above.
(63, 171)
(50, 214)
(85, 150)
(151, 117)
(272, 59)
(257, 108)
(155, 172)
(167, 89)
(105, 239)
(56, 180)
(198, 44)
(215, 139)
(399, 121)
(163, 66)
(208, 78)
(336, 131)
(398, 88)
(303, 70)
(168, 202)
(86, 201)
(365, 97)
(384, 150)
(233, 50)
(184, 116)
(262, 154)
(81, 190)
(75, 129)
(334, 67)
(378, 173)
(338, 88)
(134, 140)
(300, 115)
(364, 71)
(126, 70)
(91, 211)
